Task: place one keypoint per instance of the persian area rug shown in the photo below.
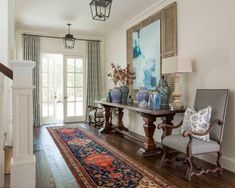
(94, 163)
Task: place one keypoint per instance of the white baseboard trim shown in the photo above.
(226, 162)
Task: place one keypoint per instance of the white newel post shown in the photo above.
(23, 163)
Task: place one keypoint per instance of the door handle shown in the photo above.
(65, 97)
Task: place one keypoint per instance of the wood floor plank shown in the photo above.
(52, 171)
(44, 178)
(60, 172)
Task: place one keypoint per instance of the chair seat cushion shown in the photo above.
(179, 143)
(99, 113)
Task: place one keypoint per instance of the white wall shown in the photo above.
(6, 46)
(4, 32)
(4, 60)
(206, 34)
(11, 55)
(7, 52)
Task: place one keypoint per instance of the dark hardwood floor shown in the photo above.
(52, 170)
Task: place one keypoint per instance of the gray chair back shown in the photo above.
(218, 100)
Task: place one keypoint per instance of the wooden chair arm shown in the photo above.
(90, 107)
(190, 132)
(164, 126)
(94, 107)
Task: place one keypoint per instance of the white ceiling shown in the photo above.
(53, 15)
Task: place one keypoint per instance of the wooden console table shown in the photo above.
(149, 116)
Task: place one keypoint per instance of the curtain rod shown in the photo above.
(53, 37)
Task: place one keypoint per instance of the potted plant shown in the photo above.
(122, 77)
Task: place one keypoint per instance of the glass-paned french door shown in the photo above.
(52, 88)
(74, 88)
(62, 88)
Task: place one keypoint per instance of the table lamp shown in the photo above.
(175, 66)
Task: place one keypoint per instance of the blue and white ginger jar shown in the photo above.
(164, 91)
(116, 95)
(142, 95)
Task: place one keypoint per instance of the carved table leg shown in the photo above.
(120, 124)
(149, 128)
(168, 120)
(107, 115)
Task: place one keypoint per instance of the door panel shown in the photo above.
(74, 84)
(52, 88)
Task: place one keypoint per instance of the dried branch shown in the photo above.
(122, 75)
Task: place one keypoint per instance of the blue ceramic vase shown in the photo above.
(116, 95)
(155, 100)
(142, 95)
(124, 93)
(164, 91)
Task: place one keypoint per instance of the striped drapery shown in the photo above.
(93, 76)
(31, 51)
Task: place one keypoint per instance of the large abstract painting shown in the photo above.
(149, 40)
(146, 56)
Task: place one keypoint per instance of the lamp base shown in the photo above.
(176, 105)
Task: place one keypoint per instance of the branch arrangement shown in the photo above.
(122, 75)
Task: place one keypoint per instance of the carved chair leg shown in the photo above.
(220, 170)
(89, 117)
(163, 156)
(97, 122)
(95, 119)
(190, 168)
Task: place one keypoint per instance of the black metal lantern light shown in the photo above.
(100, 9)
(69, 40)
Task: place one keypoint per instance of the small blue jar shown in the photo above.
(116, 95)
(156, 100)
(142, 95)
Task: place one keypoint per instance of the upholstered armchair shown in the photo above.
(186, 143)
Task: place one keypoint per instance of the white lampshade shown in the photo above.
(176, 65)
